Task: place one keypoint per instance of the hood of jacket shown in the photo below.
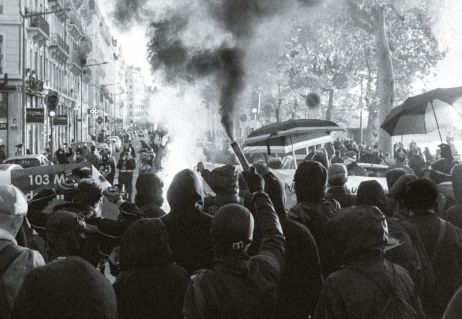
(185, 191)
(145, 245)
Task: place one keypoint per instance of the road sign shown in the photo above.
(35, 115)
(312, 100)
(99, 120)
(60, 120)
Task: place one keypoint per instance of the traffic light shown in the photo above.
(51, 101)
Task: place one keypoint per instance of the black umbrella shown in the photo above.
(282, 136)
(425, 113)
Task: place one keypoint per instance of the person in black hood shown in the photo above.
(149, 192)
(301, 281)
(188, 226)
(454, 213)
(150, 285)
(411, 253)
(314, 211)
(239, 286)
(67, 288)
(367, 286)
(442, 242)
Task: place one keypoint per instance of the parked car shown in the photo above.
(27, 161)
(9, 167)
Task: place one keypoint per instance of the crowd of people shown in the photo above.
(241, 253)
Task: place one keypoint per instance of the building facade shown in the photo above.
(66, 47)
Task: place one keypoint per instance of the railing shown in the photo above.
(56, 40)
(41, 23)
(76, 24)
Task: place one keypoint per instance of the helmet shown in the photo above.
(232, 229)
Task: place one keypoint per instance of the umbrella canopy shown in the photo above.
(284, 135)
(425, 113)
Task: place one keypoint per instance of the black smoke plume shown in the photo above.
(222, 65)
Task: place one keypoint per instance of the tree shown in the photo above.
(404, 45)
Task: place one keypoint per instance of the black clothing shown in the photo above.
(239, 286)
(348, 293)
(342, 195)
(446, 261)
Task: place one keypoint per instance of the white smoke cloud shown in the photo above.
(181, 111)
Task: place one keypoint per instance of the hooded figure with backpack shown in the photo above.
(367, 286)
(239, 286)
(314, 211)
(441, 239)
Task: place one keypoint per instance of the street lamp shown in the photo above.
(26, 15)
(81, 94)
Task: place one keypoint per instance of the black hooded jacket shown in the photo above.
(454, 213)
(188, 227)
(150, 284)
(238, 286)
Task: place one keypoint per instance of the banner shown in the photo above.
(32, 180)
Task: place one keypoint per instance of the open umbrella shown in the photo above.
(282, 137)
(425, 113)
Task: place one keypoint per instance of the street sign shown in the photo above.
(60, 120)
(312, 100)
(36, 115)
(99, 120)
(4, 126)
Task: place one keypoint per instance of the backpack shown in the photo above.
(8, 256)
(393, 306)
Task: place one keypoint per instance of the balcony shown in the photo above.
(57, 5)
(59, 47)
(39, 28)
(75, 28)
(76, 62)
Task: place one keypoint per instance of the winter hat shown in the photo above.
(360, 230)
(12, 201)
(446, 189)
(337, 174)
(310, 181)
(457, 182)
(68, 288)
(145, 244)
(421, 194)
(393, 175)
(398, 190)
(232, 229)
(185, 191)
(446, 151)
(372, 193)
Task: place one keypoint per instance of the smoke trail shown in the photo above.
(182, 55)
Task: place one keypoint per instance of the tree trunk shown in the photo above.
(330, 106)
(385, 77)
